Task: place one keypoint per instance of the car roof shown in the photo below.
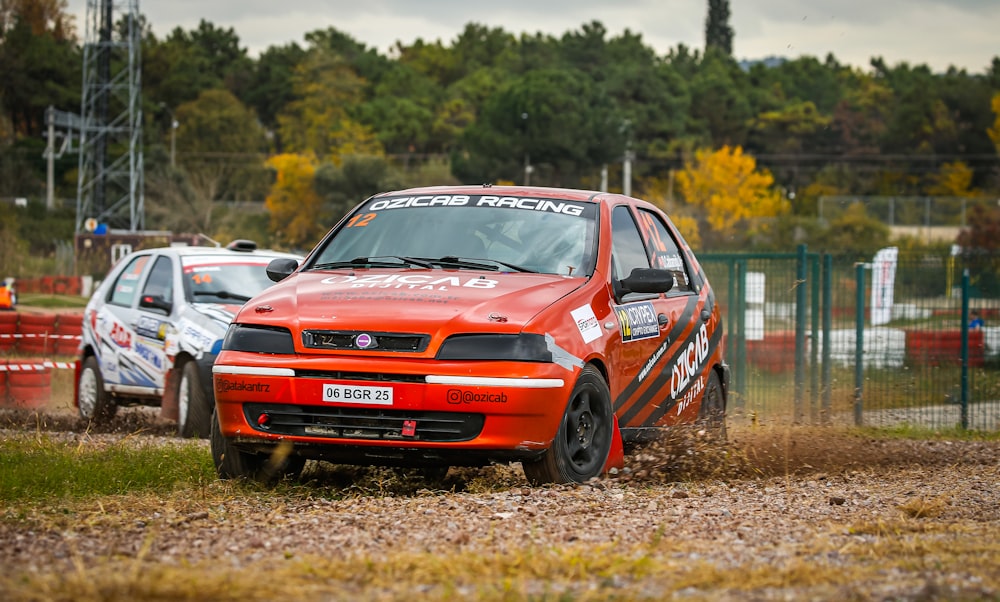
(544, 192)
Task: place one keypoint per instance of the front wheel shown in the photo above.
(234, 463)
(581, 446)
(193, 407)
(94, 403)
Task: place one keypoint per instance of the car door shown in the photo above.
(651, 326)
(152, 322)
(114, 328)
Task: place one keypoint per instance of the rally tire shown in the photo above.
(194, 411)
(582, 443)
(712, 414)
(233, 463)
(93, 402)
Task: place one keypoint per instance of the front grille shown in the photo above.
(361, 423)
(365, 376)
(373, 341)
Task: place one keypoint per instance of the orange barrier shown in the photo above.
(69, 328)
(8, 328)
(29, 383)
(35, 332)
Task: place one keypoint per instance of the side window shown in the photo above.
(627, 250)
(127, 285)
(663, 250)
(161, 280)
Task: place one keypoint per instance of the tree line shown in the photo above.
(740, 153)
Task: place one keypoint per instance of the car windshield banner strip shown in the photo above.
(564, 207)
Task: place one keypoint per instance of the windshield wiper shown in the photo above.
(474, 264)
(374, 261)
(221, 294)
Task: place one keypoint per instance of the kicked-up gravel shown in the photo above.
(774, 513)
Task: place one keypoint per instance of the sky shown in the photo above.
(939, 33)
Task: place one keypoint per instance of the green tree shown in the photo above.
(39, 63)
(718, 33)
(220, 149)
(556, 119)
(344, 186)
(720, 105)
(320, 119)
(854, 233)
(270, 87)
(186, 63)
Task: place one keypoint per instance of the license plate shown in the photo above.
(357, 394)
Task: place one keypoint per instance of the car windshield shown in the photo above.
(510, 234)
(229, 280)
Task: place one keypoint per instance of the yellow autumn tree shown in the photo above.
(658, 191)
(994, 132)
(293, 202)
(953, 179)
(729, 187)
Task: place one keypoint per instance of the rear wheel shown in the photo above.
(94, 402)
(233, 463)
(193, 409)
(712, 415)
(580, 449)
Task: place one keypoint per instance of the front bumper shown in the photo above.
(375, 410)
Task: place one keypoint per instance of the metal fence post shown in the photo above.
(827, 327)
(800, 333)
(814, 339)
(859, 343)
(965, 349)
(741, 335)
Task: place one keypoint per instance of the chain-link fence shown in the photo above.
(897, 341)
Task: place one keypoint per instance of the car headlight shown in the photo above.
(522, 347)
(258, 339)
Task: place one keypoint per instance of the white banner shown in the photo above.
(883, 282)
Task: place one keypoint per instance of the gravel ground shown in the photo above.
(772, 501)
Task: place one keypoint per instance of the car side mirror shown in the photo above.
(648, 280)
(156, 302)
(281, 268)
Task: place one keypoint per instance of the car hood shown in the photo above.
(416, 301)
(214, 313)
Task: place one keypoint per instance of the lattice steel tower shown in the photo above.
(110, 182)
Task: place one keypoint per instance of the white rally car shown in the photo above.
(152, 329)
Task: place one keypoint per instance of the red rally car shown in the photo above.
(473, 324)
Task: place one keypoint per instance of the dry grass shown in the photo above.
(775, 513)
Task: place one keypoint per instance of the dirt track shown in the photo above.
(770, 502)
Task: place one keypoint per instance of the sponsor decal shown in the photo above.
(637, 321)
(121, 336)
(198, 338)
(586, 323)
(150, 355)
(459, 200)
(225, 385)
(460, 396)
(419, 282)
(648, 366)
(151, 328)
(696, 388)
(689, 363)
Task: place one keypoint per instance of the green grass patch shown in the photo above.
(38, 468)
